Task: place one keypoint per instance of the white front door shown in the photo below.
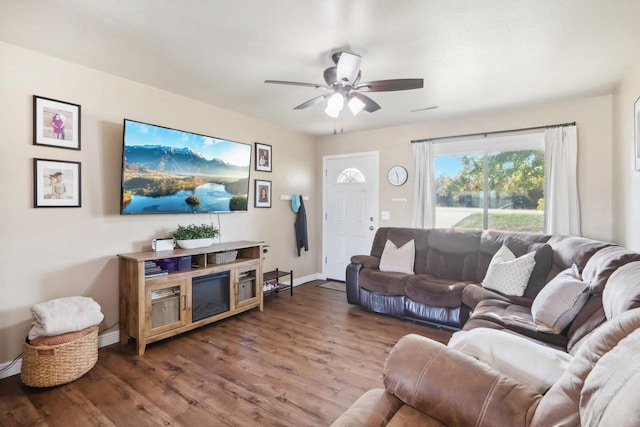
(350, 210)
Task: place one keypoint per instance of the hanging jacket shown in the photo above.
(301, 228)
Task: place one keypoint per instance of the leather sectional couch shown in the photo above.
(427, 383)
(450, 265)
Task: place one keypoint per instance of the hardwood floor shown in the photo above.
(300, 362)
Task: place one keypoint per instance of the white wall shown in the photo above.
(49, 253)
(626, 180)
(592, 115)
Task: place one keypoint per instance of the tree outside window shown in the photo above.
(500, 190)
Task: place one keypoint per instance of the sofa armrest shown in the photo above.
(352, 283)
(374, 408)
(455, 388)
(367, 261)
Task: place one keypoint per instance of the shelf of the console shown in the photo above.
(217, 247)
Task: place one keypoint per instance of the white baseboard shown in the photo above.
(113, 337)
(305, 279)
(105, 339)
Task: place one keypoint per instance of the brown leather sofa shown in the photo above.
(429, 384)
(450, 264)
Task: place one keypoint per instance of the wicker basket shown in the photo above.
(49, 365)
(222, 257)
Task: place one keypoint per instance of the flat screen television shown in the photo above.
(172, 171)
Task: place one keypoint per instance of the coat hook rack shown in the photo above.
(288, 197)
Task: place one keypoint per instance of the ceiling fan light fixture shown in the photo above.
(334, 105)
(355, 105)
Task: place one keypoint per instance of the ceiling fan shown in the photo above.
(343, 85)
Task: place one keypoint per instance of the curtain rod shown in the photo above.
(493, 132)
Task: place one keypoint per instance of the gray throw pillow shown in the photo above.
(559, 301)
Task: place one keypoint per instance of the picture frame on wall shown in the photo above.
(263, 159)
(56, 184)
(262, 194)
(636, 132)
(56, 123)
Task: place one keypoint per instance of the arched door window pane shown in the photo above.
(350, 175)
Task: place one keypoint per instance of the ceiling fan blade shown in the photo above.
(313, 101)
(283, 82)
(369, 104)
(348, 67)
(425, 109)
(391, 85)
(330, 76)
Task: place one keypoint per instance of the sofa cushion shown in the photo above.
(382, 282)
(508, 274)
(560, 301)
(517, 318)
(603, 263)
(400, 236)
(513, 355)
(589, 318)
(398, 259)
(430, 290)
(452, 254)
(472, 294)
(569, 250)
(622, 292)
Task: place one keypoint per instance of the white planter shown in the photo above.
(195, 243)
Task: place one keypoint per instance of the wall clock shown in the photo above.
(397, 175)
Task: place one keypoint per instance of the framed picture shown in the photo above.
(263, 194)
(56, 123)
(56, 184)
(263, 157)
(636, 132)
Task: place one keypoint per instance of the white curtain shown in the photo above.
(561, 203)
(424, 186)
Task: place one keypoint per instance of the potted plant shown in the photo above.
(195, 236)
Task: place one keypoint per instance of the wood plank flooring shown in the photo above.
(300, 362)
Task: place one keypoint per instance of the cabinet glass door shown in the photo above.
(247, 286)
(166, 303)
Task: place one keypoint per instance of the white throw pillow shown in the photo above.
(526, 361)
(398, 259)
(508, 274)
(559, 301)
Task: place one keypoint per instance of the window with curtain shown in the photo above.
(493, 183)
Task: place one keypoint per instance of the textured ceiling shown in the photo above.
(474, 56)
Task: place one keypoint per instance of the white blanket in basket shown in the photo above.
(64, 315)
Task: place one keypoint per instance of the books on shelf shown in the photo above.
(151, 269)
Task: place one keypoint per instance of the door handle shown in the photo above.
(371, 227)
(371, 219)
